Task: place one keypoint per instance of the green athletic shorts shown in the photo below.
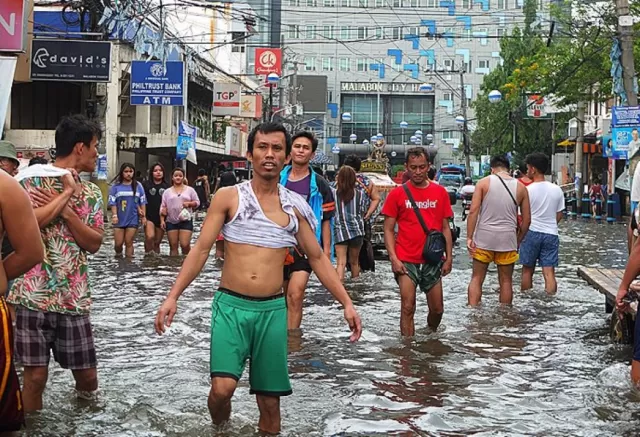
(243, 327)
(425, 276)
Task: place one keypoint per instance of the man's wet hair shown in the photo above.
(308, 135)
(354, 162)
(539, 161)
(75, 129)
(416, 152)
(269, 128)
(499, 161)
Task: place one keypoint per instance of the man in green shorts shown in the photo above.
(260, 220)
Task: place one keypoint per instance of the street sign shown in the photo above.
(537, 107)
(335, 149)
(157, 84)
(226, 99)
(268, 61)
(13, 25)
(70, 60)
(625, 116)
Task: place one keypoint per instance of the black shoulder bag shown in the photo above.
(435, 247)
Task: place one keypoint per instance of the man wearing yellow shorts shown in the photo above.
(493, 234)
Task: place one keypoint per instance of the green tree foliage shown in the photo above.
(570, 67)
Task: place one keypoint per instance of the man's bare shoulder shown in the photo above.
(8, 182)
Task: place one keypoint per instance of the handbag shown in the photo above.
(185, 215)
(436, 245)
(518, 216)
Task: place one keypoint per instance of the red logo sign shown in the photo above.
(269, 61)
(12, 25)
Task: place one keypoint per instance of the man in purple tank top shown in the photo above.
(249, 312)
(493, 232)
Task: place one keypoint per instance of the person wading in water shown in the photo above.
(260, 220)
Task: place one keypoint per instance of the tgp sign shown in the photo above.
(226, 99)
(13, 25)
(269, 61)
(157, 84)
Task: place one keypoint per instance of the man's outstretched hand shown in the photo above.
(165, 314)
(353, 319)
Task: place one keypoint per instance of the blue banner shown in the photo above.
(625, 116)
(102, 169)
(186, 139)
(157, 84)
(626, 142)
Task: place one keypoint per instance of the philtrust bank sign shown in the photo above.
(382, 87)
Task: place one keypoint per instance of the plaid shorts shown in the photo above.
(69, 336)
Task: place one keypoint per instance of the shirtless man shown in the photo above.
(19, 223)
(260, 221)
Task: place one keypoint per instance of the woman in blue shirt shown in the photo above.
(128, 208)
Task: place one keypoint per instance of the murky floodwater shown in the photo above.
(544, 367)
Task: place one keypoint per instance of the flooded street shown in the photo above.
(544, 367)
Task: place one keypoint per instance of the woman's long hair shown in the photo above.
(346, 183)
(118, 179)
(153, 168)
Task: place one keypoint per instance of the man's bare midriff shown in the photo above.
(251, 270)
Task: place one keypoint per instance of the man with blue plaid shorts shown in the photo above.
(53, 299)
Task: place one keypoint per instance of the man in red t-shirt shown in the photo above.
(405, 251)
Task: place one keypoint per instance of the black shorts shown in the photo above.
(354, 242)
(180, 226)
(300, 264)
(154, 219)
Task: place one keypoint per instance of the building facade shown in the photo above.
(376, 53)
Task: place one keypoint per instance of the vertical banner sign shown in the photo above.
(186, 146)
(7, 69)
(226, 99)
(157, 84)
(13, 26)
(268, 61)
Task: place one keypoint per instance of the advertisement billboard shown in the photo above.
(157, 84)
(70, 61)
(226, 99)
(13, 25)
(268, 61)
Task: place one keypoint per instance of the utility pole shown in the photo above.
(465, 126)
(578, 152)
(625, 29)
(293, 93)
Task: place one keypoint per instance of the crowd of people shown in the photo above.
(273, 231)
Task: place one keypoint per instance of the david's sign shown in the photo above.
(70, 61)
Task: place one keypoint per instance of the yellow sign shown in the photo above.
(374, 167)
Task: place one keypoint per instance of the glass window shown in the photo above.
(379, 3)
(500, 32)
(329, 3)
(467, 34)
(312, 3)
(327, 65)
(311, 31)
(396, 3)
(448, 64)
(378, 32)
(501, 4)
(447, 96)
(412, 31)
(396, 33)
(466, 4)
(364, 3)
(345, 32)
(362, 32)
(310, 64)
(362, 65)
(294, 31)
(483, 63)
(345, 3)
(345, 64)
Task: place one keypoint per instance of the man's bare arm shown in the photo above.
(525, 209)
(375, 201)
(88, 238)
(21, 227)
(559, 216)
(326, 237)
(474, 209)
(199, 254)
(53, 209)
(390, 236)
(327, 275)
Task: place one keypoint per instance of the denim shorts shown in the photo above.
(539, 248)
(180, 226)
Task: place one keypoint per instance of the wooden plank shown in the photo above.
(606, 281)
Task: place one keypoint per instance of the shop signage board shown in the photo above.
(157, 84)
(186, 145)
(625, 116)
(13, 26)
(226, 99)
(268, 61)
(70, 61)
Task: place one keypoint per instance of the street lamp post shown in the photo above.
(272, 79)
